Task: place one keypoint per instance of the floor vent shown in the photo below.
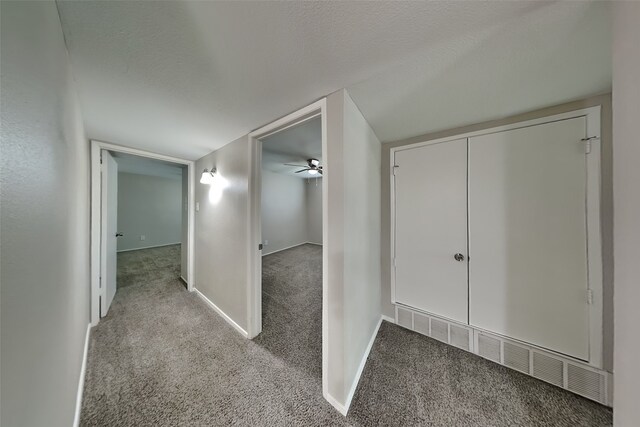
(548, 369)
(516, 357)
(421, 324)
(585, 382)
(570, 374)
(489, 347)
(404, 318)
(459, 336)
(439, 330)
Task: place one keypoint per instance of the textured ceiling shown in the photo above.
(293, 145)
(184, 78)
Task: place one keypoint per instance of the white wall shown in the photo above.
(45, 221)
(353, 243)
(284, 211)
(626, 177)
(149, 206)
(184, 228)
(221, 229)
(313, 196)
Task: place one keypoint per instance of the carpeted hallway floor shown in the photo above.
(163, 358)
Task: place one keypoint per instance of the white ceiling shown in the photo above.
(293, 145)
(184, 78)
(128, 163)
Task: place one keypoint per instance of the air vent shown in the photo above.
(516, 357)
(489, 347)
(421, 324)
(585, 382)
(569, 374)
(459, 336)
(404, 318)
(439, 330)
(548, 369)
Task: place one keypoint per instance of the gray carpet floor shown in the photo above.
(163, 358)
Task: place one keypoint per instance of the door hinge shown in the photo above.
(587, 143)
(260, 246)
(393, 170)
(100, 282)
(589, 296)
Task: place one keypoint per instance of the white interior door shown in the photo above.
(108, 258)
(527, 235)
(431, 228)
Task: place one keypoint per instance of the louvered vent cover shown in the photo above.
(585, 382)
(439, 330)
(421, 324)
(404, 318)
(489, 347)
(516, 357)
(548, 369)
(459, 337)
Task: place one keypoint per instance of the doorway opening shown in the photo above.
(288, 265)
(141, 222)
(291, 224)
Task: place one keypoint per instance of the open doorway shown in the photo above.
(298, 139)
(291, 224)
(141, 222)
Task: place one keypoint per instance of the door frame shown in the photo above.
(254, 294)
(592, 210)
(97, 221)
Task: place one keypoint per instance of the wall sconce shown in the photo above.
(207, 176)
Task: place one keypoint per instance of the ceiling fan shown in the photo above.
(313, 167)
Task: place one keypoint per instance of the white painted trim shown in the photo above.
(83, 370)
(283, 249)
(337, 405)
(149, 247)
(363, 363)
(222, 314)
(290, 247)
(388, 319)
(254, 294)
(96, 216)
(592, 205)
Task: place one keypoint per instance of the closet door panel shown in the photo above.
(527, 235)
(431, 227)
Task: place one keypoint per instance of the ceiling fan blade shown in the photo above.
(302, 170)
(298, 166)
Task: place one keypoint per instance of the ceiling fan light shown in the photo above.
(312, 171)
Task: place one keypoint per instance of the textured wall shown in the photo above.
(626, 177)
(284, 211)
(149, 206)
(221, 254)
(45, 221)
(606, 201)
(314, 210)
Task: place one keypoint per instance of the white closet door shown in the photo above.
(431, 228)
(527, 235)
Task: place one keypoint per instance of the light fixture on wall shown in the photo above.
(207, 176)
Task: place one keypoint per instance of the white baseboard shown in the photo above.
(284, 249)
(221, 313)
(314, 243)
(83, 369)
(388, 319)
(363, 362)
(336, 404)
(149, 247)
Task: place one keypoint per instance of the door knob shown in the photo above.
(119, 234)
(458, 257)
